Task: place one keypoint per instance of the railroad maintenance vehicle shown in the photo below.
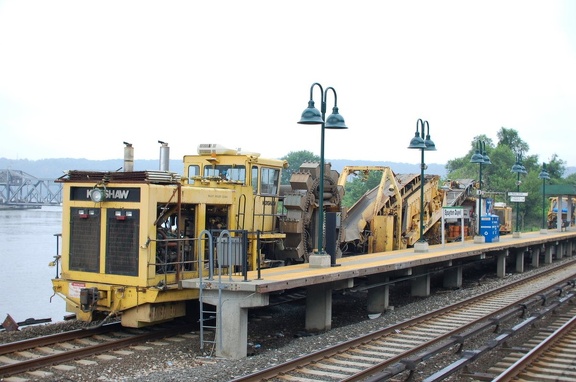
(129, 237)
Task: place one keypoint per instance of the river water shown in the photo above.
(27, 246)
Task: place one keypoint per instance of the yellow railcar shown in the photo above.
(128, 238)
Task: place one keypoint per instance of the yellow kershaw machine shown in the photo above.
(387, 217)
(129, 237)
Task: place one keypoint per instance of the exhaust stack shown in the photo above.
(128, 157)
(164, 156)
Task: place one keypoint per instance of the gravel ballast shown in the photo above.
(275, 334)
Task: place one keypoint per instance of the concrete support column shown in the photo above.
(319, 307)
(520, 261)
(501, 264)
(547, 254)
(453, 277)
(559, 251)
(535, 257)
(421, 286)
(378, 295)
(232, 320)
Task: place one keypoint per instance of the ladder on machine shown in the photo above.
(228, 255)
(209, 314)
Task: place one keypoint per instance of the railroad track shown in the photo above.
(547, 356)
(383, 354)
(33, 354)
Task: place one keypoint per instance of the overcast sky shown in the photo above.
(77, 78)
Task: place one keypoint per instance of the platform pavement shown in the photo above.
(300, 275)
(232, 295)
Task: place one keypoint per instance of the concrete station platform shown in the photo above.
(232, 295)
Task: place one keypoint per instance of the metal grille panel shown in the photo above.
(85, 239)
(122, 242)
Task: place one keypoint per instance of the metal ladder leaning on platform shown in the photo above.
(210, 314)
(229, 257)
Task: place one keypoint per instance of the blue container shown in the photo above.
(490, 228)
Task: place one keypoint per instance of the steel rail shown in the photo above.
(12, 347)
(494, 308)
(67, 355)
(556, 340)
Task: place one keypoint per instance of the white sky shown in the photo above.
(78, 78)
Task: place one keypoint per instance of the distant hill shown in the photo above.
(55, 168)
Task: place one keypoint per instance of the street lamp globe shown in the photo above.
(312, 116)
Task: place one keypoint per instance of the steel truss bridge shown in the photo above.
(21, 190)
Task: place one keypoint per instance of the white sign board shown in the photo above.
(511, 194)
(517, 199)
(453, 213)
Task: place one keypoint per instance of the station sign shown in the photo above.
(517, 199)
(452, 212)
(511, 194)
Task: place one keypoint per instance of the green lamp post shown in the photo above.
(481, 158)
(518, 168)
(423, 143)
(544, 176)
(311, 116)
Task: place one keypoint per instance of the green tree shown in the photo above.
(295, 160)
(511, 138)
(555, 167)
(498, 179)
(362, 183)
(461, 168)
(571, 179)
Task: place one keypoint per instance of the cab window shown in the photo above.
(255, 180)
(193, 171)
(269, 180)
(226, 172)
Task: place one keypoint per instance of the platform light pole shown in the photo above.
(544, 175)
(311, 116)
(518, 168)
(481, 158)
(423, 143)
